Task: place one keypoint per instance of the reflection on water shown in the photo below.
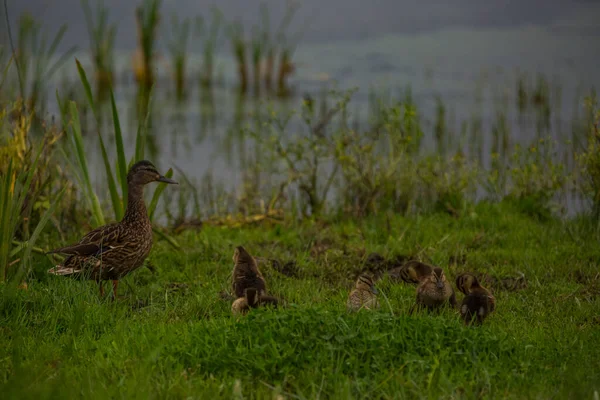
(465, 83)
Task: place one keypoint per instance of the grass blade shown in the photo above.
(142, 131)
(112, 186)
(121, 163)
(87, 88)
(80, 154)
(6, 217)
(36, 233)
(170, 239)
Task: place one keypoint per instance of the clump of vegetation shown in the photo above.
(378, 167)
(80, 164)
(287, 46)
(29, 193)
(209, 36)
(102, 40)
(180, 33)
(147, 19)
(238, 42)
(589, 158)
(35, 62)
(449, 184)
(534, 175)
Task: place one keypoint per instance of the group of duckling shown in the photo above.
(433, 293)
(112, 251)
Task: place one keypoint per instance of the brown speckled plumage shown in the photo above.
(478, 302)
(252, 299)
(412, 272)
(364, 295)
(112, 251)
(246, 273)
(435, 291)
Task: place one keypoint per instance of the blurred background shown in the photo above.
(203, 80)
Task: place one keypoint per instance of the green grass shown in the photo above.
(58, 339)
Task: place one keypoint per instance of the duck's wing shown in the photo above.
(95, 242)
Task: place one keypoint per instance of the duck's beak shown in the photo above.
(440, 284)
(164, 179)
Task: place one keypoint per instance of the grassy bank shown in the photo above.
(173, 336)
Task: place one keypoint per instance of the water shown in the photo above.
(468, 55)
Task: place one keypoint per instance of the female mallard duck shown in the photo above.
(435, 291)
(112, 251)
(246, 273)
(252, 299)
(478, 302)
(364, 294)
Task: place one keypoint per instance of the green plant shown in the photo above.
(589, 159)
(80, 166)
(534, 174)
(306, 157)
(211, 38)
(102, 39)
(180, 33)
(287, 47)
(258, 45)
(269, 50)
(449, 183)
(147, 19)
(378, 166)
(36, 60)
(236, 34)
(15, 186)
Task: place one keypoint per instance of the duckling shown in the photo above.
(435, 291)
(252, 299)
(478, 302)
(364, 294)
(412, 272)
(246, 273)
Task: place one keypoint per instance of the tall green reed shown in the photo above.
(177, 45)
(36, 59)
(14, 190)
(119, 178)
(147, 20)
(236, 34)
(210, 34)
(102, 38)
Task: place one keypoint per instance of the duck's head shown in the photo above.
(437, 276)
(241, 255)
(465, 282)
(144, 172)
(365, 282)
(416, 271)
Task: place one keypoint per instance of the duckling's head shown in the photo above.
(144, 172)
(366, 282)
(465, 282)
(240, 255)
(437, 276)
(416, 271)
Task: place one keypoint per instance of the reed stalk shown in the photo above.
(102, 38)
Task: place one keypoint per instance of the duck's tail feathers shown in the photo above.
(61, 270)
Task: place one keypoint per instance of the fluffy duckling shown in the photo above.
(412, 272)
(478, 302)
(434, 291)
(246, 273)
(252, 299)
(364, 294)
